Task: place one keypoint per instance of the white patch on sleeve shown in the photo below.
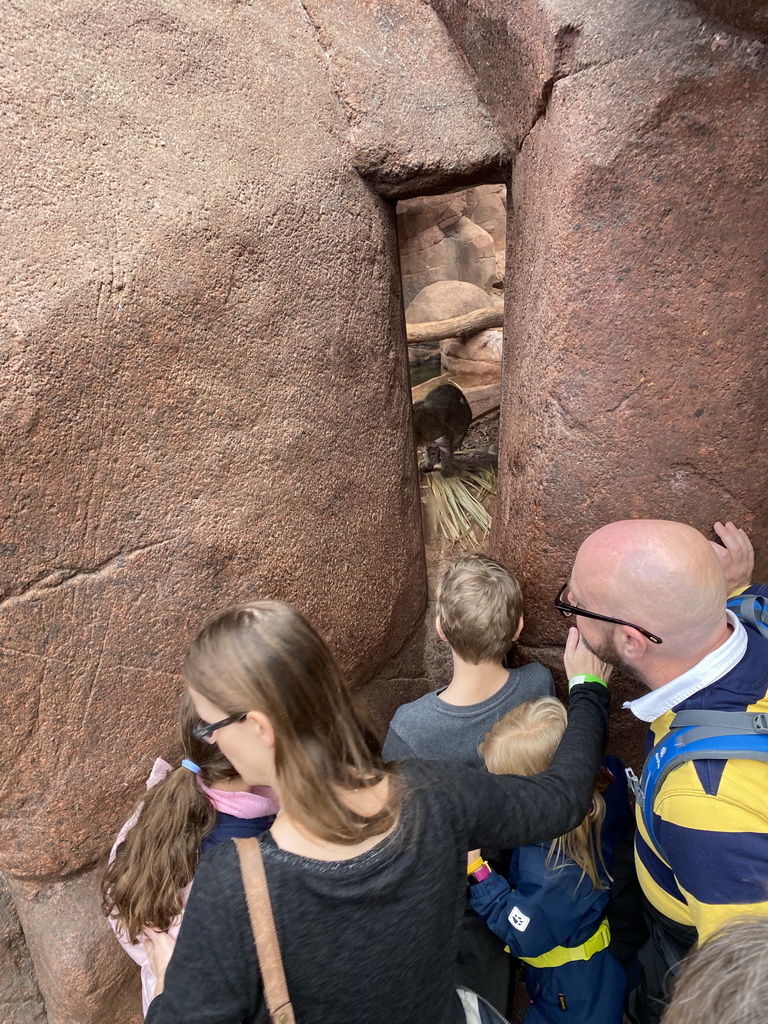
(518, 919)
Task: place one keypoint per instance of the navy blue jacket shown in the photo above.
(542, 907)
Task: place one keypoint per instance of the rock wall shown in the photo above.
(460, 236)
(203, 329)
(452, 261)
(633, 383)
(202, 322)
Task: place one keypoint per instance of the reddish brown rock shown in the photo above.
(65, 930)
(750, 16)
(635, 314)
(405, 89)
(636, 309)
(20, 1001)
(186, 382)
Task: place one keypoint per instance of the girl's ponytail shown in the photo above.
(145, 882)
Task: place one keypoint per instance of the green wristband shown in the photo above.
(577, 680)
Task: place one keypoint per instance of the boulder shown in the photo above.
(202, 316)
(446, 299)
(20, 999)
(487, 207)
(476, 360)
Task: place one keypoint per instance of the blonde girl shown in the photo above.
(550, 912)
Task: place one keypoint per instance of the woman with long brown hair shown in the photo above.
(366, 862)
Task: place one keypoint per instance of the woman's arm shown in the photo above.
(213, 975)
(509, 811)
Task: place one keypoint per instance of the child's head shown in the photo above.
(262, 660)
(523, 742)
(480, 608)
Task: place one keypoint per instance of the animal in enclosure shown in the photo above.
(440, 422)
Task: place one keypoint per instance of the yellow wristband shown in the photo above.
(475, 866)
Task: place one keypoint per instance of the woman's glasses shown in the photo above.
(205, 732)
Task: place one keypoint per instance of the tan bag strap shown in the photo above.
(264, 931)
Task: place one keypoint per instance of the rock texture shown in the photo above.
(78, 962)
(202, 323)
(460, 236)
(202, 317)
(637, 307)
(20, 1000)
(444, 300)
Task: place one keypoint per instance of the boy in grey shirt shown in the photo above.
(480, 614)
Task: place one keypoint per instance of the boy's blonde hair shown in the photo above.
(480, 605)
(524, 742)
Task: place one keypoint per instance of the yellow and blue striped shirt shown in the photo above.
(711, 817)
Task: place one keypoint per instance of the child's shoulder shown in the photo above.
(528, 682)
(425, 705)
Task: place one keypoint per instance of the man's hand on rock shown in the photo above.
(736, 555)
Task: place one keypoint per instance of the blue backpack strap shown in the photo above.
(751, 609)
(689, 744)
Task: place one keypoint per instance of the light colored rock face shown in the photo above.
(460, 236)
(444, 300)
(477, 359)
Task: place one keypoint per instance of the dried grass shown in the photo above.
(453, 504)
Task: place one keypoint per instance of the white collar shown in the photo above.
(711, 668)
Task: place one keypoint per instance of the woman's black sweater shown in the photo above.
(373, 940)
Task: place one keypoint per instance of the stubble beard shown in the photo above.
(607, 651)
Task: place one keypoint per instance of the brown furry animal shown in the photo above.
(440, 422)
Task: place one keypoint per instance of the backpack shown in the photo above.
(706, 735)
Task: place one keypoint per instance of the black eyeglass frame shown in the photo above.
(566, 610)
(204, 732)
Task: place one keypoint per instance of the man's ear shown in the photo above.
(439, 628)
(263, 728)
(520, 625)
(633, 643)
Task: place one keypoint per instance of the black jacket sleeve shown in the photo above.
(507, 811)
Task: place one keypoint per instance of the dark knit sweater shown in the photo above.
(373, 940)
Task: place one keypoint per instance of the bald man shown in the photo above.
(658, 591)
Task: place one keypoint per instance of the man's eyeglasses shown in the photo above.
(205, 732)
(566, 610)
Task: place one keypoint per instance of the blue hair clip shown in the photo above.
(191, 765)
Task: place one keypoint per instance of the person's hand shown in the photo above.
(580, 661)
(736, 555)
(159, 946)
(472, 856)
